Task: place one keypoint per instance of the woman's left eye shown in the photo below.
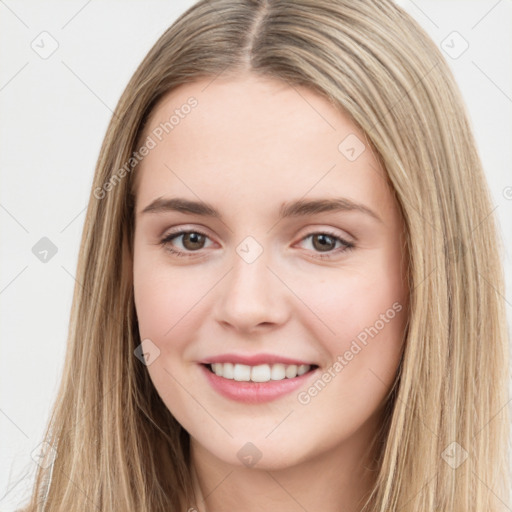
(195, 241)
(327, 241)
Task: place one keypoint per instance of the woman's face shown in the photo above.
(290, 274)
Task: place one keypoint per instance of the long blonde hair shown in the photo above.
(117, 445)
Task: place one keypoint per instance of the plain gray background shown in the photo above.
(54, 110)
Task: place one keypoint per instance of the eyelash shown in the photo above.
(348, 246)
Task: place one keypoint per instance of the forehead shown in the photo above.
(253, 136)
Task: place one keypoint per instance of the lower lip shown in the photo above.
(254, 392)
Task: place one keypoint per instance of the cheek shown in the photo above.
(167, 310)
(160, 293)
(348, 301)
(368, 317)
(166, 301)
(363, 317)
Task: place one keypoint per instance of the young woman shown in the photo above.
(289, 288)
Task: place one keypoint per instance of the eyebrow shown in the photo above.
(298, 208)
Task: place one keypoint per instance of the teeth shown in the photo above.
(259, 373)
(278, 372)
(241, 372)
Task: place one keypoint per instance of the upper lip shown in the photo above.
(253, 359)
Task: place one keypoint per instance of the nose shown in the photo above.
(252, 297)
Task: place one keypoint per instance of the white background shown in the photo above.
(54, 113)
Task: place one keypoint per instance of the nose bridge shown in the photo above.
(251, 293)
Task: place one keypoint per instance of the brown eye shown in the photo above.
(193, 241)
(326, 243)
(323, 242)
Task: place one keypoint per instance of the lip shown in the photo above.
(253, 359)
(255, 392)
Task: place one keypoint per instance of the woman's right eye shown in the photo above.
(192, 239)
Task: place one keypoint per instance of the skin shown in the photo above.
(249, 146)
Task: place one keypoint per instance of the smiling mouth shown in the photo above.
(259, 373)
